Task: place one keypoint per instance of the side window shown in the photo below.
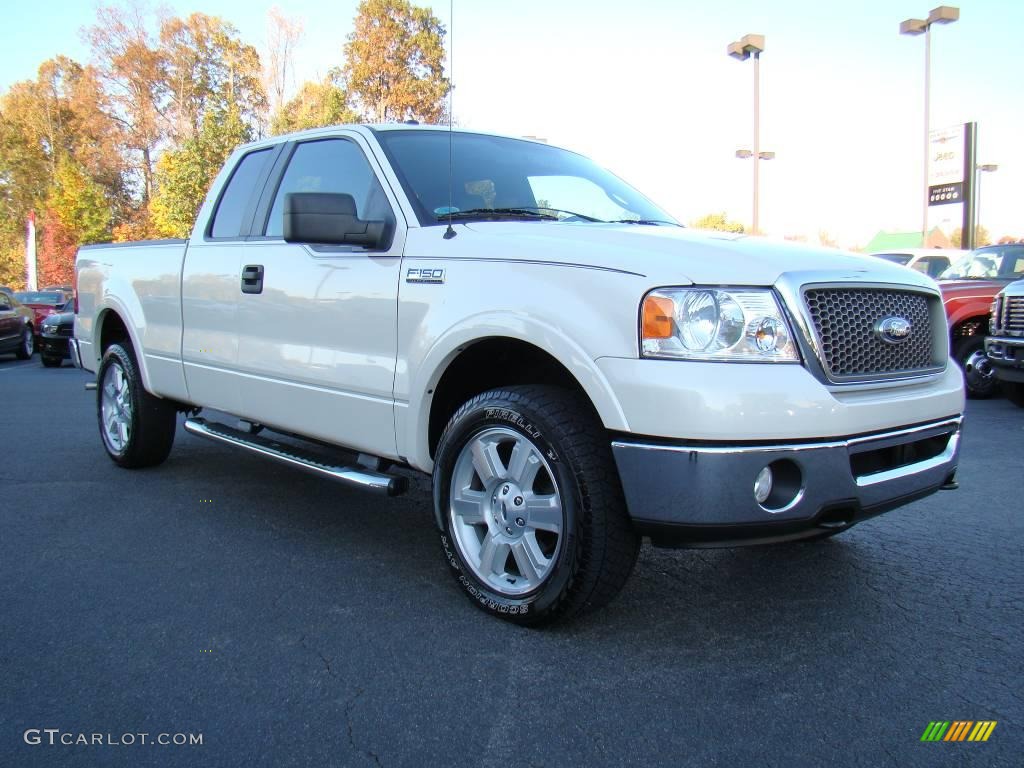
(330, 165)
(227, 220)
(5, 303)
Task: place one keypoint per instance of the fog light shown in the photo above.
(763, 485)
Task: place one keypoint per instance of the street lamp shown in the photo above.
(743, 49)
(978, 170)
(944, 14)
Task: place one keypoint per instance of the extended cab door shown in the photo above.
(318, 333)
(210, 283)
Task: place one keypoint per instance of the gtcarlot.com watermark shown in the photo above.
(55, 737)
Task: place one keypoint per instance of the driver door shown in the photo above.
(317, 333)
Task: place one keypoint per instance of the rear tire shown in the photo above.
(137, 428)
(533, 519)
(979, 378)
(51, 362)
(27, 347)
(1014, 392)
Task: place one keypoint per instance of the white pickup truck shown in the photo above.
(575, 369)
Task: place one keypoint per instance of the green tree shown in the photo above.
(315, 105)
(184, 175)
(395, 62)
(981, 237)
(717, 221)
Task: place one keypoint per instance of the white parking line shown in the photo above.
(19, 365)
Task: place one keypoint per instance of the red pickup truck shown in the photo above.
(968, 288)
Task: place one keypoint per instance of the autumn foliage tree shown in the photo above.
(394, 66)
(717, 221)
(184, 175)
(126, 147)
(315, 105)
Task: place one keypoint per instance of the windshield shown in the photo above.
(999, 262)
(896, 258)
(40, 297)
(520, 177)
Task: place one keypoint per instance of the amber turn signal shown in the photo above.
(657, 317)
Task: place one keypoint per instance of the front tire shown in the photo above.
(979, 379)
(27, 347)
(533, 520)
(137, 428)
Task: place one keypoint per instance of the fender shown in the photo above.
(412, 422)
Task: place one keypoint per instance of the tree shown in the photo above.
(981, 237)
(315, 105)
(184, 175)
(283, 35)
(207, 69)
(132, 71)
(394, 62)
(718, 221)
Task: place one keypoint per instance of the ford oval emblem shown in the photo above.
(893, 330)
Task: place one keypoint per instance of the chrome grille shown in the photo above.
(1010, 314)
(850, 349)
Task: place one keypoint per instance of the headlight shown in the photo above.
(715, 324)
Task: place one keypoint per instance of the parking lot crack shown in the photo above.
(351, 735)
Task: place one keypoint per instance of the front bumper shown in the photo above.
(55, 346)
(1006, 353)
(702, 494)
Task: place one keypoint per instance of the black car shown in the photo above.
(16, 332)
(57, 329)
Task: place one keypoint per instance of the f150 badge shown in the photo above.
(424, 275)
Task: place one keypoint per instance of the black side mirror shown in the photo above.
(328, 218)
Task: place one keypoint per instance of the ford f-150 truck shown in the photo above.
(575, 369)
(1005, 347)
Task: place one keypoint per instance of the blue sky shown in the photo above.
(647, 89)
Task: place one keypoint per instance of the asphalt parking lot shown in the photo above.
(292, 622)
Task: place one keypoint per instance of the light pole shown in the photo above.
(944, 14)
(979, 169)
(743, 49)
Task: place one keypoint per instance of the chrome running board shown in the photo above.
(296, 456)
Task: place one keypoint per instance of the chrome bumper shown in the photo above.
(707, 491)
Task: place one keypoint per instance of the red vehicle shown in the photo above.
(968, 288)
(42, 303)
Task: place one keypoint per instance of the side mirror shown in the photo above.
(328, 218)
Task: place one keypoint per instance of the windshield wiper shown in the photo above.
(652, 222)
(475, 213)
(531, 211)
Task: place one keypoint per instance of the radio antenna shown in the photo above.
(450, 232)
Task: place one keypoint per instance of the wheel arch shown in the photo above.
(111, 328)
(455, 370)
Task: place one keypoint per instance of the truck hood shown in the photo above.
(952, 289)
(668, 255)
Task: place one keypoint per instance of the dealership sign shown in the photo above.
(946, 149)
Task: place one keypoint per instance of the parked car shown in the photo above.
(42, 303)
(574, 368)
(929, 261)
(968, 288)
(1005, 346)
(65, 289)
(56, 332)
(17, 332)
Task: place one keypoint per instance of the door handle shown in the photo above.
(252, 278)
